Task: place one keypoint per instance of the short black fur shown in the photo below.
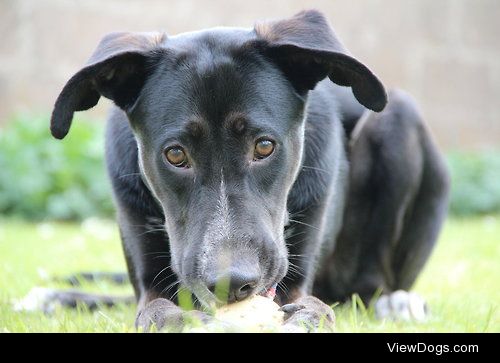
(336, 209)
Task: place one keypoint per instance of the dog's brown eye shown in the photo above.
(263, 148)
(176, 156)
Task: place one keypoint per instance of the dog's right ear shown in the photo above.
(116, 70)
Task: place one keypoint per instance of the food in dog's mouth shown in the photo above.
(256, 313)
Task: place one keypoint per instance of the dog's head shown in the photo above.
(218, 116)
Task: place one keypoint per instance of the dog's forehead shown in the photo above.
(219, 36)
(212, 81)
(210, 48)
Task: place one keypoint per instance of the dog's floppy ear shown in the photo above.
(116, 70)
(307, 50)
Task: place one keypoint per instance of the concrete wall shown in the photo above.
(445, 52)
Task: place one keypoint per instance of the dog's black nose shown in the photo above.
(241, 285)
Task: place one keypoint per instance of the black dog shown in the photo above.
(235, 156)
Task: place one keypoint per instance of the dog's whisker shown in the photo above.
(196, 300)
(163, 279)
(149, 226)
(299, 258)
(127, 175)
(151, 231)
(295, 273)
(167, 289)
(304, 224)
(163, 256)
(174, 295)
(170, 286)
(316, 169)
(282, 286)
(159, 273)
(295, 270)
(296, 234)
(300, 212)
(154, 253)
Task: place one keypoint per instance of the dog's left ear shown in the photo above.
(307, 50)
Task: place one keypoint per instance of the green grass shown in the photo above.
(460, 283)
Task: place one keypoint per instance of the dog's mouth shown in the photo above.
(209, 300)
(270, 293)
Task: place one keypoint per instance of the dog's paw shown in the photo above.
(308, 314)
(163, 314)
(401, 306)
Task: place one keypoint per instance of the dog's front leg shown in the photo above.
(310, 239)
(147, 253)
(302, 310)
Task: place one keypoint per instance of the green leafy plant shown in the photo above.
(475, 178)
(43, 178)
